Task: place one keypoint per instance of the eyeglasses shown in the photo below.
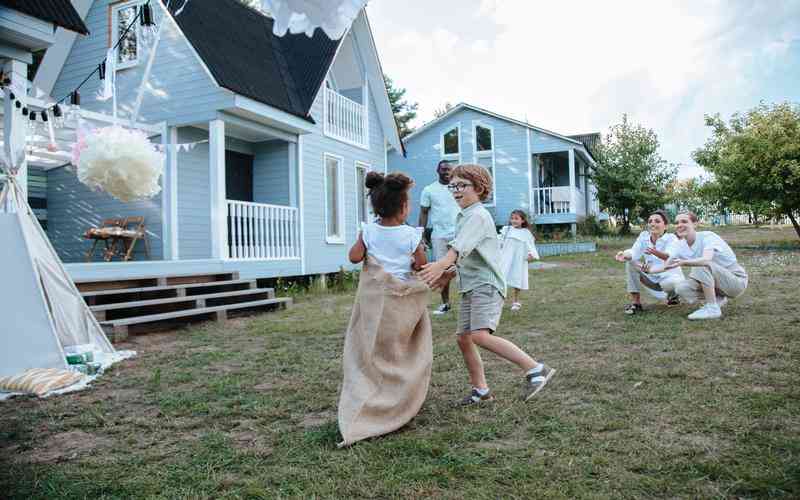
(458, 187)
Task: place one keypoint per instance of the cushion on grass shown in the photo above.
(39, 381)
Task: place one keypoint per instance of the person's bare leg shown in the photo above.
(503, 348)
(446, 294)
(515, 294)
(636, 297)
(472, 358)
(709, 294)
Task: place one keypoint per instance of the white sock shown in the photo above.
(482, 392)
(535, 369)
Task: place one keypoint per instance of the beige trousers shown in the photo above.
(636, 278)
(727, 282)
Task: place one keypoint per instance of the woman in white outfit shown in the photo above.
(647, 253)
(715, 273)
(517, 248)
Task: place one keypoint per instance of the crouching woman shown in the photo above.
(715, 274)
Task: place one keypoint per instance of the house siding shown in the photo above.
(180, 91)
(322, 257)
(271, 173)
(510, 159)
(72, 208)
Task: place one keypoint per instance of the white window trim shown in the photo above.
(334, 240)
(115, 8)
(359, 200)
(450, 157)
(485, 154)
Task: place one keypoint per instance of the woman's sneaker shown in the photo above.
(708, 311)
(632, 309)
(535, 381)
(516, 306)
(674, 301)
(475, 397)
(443, 309)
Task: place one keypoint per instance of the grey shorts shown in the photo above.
(440, 247)
(480, 309)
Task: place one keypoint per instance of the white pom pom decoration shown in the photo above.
(119, 161)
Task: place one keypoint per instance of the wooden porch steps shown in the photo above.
(119, 310)
(148, 303)
(120, 328)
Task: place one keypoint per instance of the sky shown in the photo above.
(578, 66)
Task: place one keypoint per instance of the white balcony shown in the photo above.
(257, 231)
(345, 119)
(557, 200)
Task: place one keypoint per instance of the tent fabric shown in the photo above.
(41, 310)
(388, 355)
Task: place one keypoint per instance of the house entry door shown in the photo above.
(238, 176)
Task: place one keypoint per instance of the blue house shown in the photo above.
(536, 170)
(284, 130)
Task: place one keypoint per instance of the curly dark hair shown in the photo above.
(388, 193)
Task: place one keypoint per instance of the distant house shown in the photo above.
(536, 170)
(285, 130)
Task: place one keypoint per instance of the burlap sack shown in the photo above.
(387, 355)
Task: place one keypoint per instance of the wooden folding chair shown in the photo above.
(130, 236)
(106, 234)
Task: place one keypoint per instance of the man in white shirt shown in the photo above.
(438, 207)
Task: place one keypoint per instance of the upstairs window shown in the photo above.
(122, 15)
(451, 144)
(483, 139)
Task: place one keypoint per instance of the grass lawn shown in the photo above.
(647, 406)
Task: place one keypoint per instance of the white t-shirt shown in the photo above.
(392, 246)
(662, 244)
(443, 210)
(723, 255)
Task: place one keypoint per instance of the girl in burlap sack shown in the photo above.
(387, 351)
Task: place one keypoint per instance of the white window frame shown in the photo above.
(484, 155)
(337, 239)
(114, 28)
(450, 157)
(367, 168)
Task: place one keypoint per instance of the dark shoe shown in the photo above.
(632, 309)
(442, 309)
(535, 382)
(475, 398)
(674, 301)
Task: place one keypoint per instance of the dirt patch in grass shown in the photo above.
(312, 420)
(64, 446)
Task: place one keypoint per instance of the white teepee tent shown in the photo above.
(41, 310)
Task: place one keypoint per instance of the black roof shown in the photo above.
(237, 45)
(59, 12)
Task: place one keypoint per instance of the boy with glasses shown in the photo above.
(475, 254)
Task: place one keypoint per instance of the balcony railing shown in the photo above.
(257, 231)
(345, 119)
(553, 200)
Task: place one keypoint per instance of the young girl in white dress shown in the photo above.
(517, 250)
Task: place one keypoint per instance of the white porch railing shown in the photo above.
(552, 200)
(257, 231)
(345, 119)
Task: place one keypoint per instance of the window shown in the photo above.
(334, 210)
(362, 200)
(484, 153)
(122, 15)
(451, 143)
(483, 138)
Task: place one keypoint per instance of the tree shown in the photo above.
(631, 177)
(443, 110)
(755, 159)
(403, 110)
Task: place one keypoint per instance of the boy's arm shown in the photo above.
(431, 273)
(358, 251)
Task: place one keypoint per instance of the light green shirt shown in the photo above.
(478, 250)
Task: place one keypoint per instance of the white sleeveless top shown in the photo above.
(392, 246)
